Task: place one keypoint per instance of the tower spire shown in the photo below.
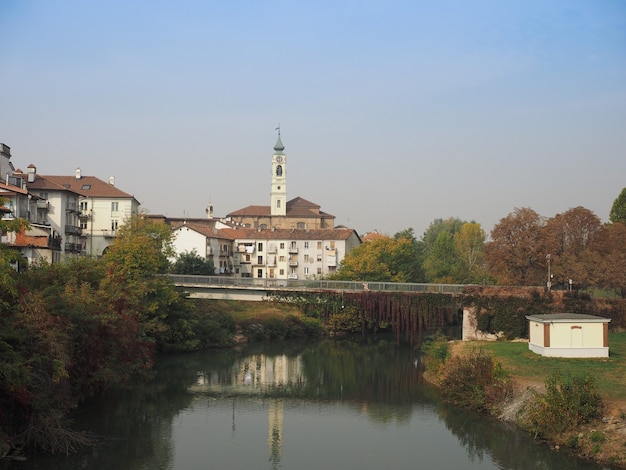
(279, 147)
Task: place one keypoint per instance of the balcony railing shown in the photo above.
(44, 205)
(73, 230)
(73, 247)
(293, 250)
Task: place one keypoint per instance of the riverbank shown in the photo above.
(604, 439)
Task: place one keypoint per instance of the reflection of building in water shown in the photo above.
(275, 429)
(257, 375)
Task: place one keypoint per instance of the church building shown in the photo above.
(297, 213)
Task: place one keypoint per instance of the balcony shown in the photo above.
(43, 205)
(293, 250)
(293, 263)
(109, 233)
(292, 276)
(73, 247)
(73, 230)
(85, 214)
(71, 207)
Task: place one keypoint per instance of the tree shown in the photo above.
(451, 225)
(566, 237)
(516, 254)
(470, 243)
(192, 263)
(618, 210)
(384, 259)
(442, 259)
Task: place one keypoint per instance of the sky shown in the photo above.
(392, 113)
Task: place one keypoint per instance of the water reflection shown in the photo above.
(334, 403)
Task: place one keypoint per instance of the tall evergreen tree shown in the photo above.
(618, 211)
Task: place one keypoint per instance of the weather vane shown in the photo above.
(278, 129)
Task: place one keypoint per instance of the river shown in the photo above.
(331, 404)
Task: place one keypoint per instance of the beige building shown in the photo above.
(568, 335)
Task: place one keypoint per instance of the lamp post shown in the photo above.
(549, 276)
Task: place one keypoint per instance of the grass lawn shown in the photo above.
(609, 373)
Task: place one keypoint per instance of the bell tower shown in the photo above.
(278, 205)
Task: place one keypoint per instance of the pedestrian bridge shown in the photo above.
(238, 288)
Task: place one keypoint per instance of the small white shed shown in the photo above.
(568, 335)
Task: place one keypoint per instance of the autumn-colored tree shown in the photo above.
(566, 236)
(605, 259)
(384, 259)
(618, 210)
(516, 254)
(133, 264)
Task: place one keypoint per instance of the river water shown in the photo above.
(332, 404)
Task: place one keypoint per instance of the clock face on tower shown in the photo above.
(279, 159)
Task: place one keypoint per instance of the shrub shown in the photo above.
(435, 352)
(477, 382)
(566, 404)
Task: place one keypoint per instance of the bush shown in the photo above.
(435, 351)
(566, 404)
(477, 382)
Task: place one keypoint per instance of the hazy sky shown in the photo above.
(392, 113)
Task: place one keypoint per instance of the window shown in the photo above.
(319, 257)
(332, 245)
(300, 225)
(278, 203)
(247, 258)
(43, 196)
(86, 186)
(281, 258)
(282, 245)
(259, 260)
(319, 271)
(306, 271)
(306, 258)
(260, 247)
(83, 225)
(114, 206)
(319, 245)
(282, 272)
(259, 273)
(306, 245)
(83, 206)
(114, 225)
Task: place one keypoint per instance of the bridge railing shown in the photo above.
(312, 284)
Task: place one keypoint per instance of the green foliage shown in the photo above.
(192, 263)
(347, 320)
(276, 329)
(441, 259)
(567, 403)
(476, 381)
(618, 210)
(435, 351)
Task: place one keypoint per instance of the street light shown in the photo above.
(549, 276)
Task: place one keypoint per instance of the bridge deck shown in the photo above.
(222, 282)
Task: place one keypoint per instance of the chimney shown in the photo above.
(31, 171)
(112, 180)
(77, 173)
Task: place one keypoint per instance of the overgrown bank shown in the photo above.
(570, 403)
